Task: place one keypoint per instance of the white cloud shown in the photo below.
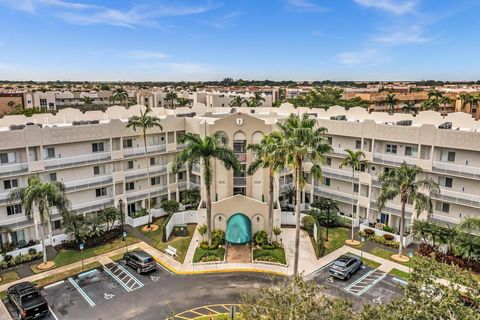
(368, 56)
(393, 6)
(305, 5)
(88, 14)
(223, 21)
(145, 54)
(410, 36)
(317, 33)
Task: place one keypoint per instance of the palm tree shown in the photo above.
(445, 100)
(267, 156)
(256, 100)
(183, 102)
(354, 160)
(404, 182)
(467, 246)
(391, 101)
(191, 197)
(145, 122)
(74, 225)
(237, 102)
(431, 104)
(41, 196)
(409, 107)
(109, 216)
(435, 94)
(205, 150)
(302, 140)
(120, 95)
(171, 96)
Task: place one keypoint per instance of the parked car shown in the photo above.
(140, 261)
(345, 266)
(27, 300)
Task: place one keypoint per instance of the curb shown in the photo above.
(175, 271)
(4, 313)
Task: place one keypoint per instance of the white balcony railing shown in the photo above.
(335, 194)
(196, 167)
(457, 197)
(447, 167)
(388, 158)
(330, 172)
(339, 151)
(141, 151)
(144, 192)
(443, 218)
(76, 160)
(143, 172)
(87, 183)
(106, 201)
(6, 169)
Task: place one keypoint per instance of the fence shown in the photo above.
(406, 239)
(184, 217)
(58, 239)
(140, 221)
(290, 219)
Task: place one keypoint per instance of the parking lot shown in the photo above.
(367, 285)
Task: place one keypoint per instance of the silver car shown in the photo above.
(345, 266)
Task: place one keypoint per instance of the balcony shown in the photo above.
(457, 197)
(442, 219)
(285, 186)
(76, 185)
(77, 160)
(330, 172)
(141, 173)
(339, 151)
(196, 168)
(182, 185)
(134, 152)
(239, 181)
(392, 208)
(336, 195)
(393, 159)
(194, 184)
(20, 221)
(241, 156)
(455, 169)
(93, 205)
(10, 169)
(142, 194)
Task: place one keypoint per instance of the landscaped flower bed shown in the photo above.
(208, 255)
(386, 239)
(275, 255)
(9, 261)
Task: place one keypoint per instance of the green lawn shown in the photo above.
(65, 257)
(399, 274)
(216, 254)
(336, 238)
(272, 255)
(382, 253)
(180, 243)
(9, 277)
(370, 263)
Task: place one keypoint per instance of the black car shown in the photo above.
(345, 266)
(27, 300)
(140, 261)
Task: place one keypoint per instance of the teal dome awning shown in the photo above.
(239, 229)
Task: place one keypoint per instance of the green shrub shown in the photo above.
(218, 237)
(344, 222)
(170, 206)
(140, 213)
(268, 246)
(32, 251)
(388, 237)
(7, 258)
(274, 255)
(308, 223)
(260, 237)
(208, 255)
(369, 232)
(388, 229)
(204, 245)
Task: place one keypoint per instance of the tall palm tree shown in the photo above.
(41, 196)
(445, 100)
(354, 160)
(120, 95)
(183, 102)
(404, 182)
(237, 102)
(74, 224)
(267, 155)
(256, 100)
(435, 94)
(171, 96)
(145, 122)
(302, 140)
(431, 104)
(109, 216)
(391, 101)
(205, 151)
(409, 107)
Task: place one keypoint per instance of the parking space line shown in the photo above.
(317, 271)
(359, 279)
(372, 284)
(211, 310)
(116, 278)
(131, 275)
(366, 282)
(83, 293)
(53, 313)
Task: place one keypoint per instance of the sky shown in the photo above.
(173, 40)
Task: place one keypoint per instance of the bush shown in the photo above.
(344, 222)
(274, 255)
(218, 237)
(369, 232)
(268, 246)
(388, 237)
(170, 206)
(205, 255)
(32, 251)
(7, 258)
(388, 229)
(260, 237)
(308, 223)
(10, 261)
(140, 213)
(204, 245)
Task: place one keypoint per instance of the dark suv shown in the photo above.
(345, 266)
(140, 261)
(27, 300)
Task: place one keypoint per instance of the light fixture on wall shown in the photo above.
(220, 219)
(258, 219)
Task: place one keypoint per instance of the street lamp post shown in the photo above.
(361, 248)
(120, 204)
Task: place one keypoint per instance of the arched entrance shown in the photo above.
(239, 229)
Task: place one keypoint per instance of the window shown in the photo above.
(445, 182)
(154, 181)
(391, 148)
(181, 175)
(442, 206)
(52, 176)
(239, 190)
(329, 161)
(355, 187)
(43, 103)
(97, 147)
(411, 151)
(152, 161)
(326, 182)
(330, 140)
(358, 144)
(130, 186)
(447, 156)
(7, 157)
(153, 140)
(131, 208)
(9, 184)
(127, 143)
(171, 137)
(386, 170)
(100, 192)
(14, 209)
(49, 153)
(98, 170)
(57, 225)
(130, 164)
